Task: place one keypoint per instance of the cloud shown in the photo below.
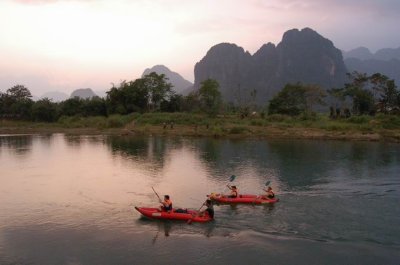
(45, 2)
(35, 2)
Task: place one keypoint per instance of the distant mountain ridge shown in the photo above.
(180, 85)
(83, 93)
(55, 96)
(363, 53)
(302, 56)
(385, 61)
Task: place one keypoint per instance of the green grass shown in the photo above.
(221, 125)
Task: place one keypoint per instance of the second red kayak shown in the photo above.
(242, 198)
(175, 214)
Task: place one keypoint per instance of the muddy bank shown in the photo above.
(227, 132)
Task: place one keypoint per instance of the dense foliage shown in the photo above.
(296, 99)
(362, 95)
(368, 94)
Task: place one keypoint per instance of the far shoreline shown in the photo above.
(250, 132)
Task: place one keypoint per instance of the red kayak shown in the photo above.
(175, 214)
(243, 198)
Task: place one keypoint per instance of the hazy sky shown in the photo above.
(63, 45)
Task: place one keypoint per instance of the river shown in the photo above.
(70, 200)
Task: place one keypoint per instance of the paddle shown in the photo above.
(231, 178)
(157, 194)
(194, 216)
(266, 184)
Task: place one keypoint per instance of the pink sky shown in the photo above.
(62, 45)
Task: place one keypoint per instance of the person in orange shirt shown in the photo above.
(270, 193)
(234, 191)
(166, 204)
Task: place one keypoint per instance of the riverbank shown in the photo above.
(362, 128)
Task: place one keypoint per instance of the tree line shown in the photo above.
(151, 93)
(362, 95)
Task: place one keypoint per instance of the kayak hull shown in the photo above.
(155, 213)
(243, 199)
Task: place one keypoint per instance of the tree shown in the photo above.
(17, 102)
(359, 89)
(71, 107)
(137, 96)
(19, 92)
(174, 104)
(289, 101)
(158, 87)
(296, 99)
(385, 92)
(191, 102)
(140, 95)
(44, 110)
(115, 100)
(94, 106)
(210, 97)
(313, 96)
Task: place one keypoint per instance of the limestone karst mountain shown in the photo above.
(180, 85)
(83, 93)
(302, 56)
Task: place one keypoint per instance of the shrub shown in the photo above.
(257, 122)
(217, 131)
(237, 130)
(277, 118)
(389, 121)
(359, 119)
(115, 121)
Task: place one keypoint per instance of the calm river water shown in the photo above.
(70, 200)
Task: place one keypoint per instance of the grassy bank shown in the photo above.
(380, 127)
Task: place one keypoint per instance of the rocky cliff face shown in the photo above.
(228, 64)
(302, 56)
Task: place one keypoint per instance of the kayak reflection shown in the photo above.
(167, 229)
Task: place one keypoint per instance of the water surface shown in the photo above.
(69, 200)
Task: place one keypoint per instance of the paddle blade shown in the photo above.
(232, 178)
(267, 183)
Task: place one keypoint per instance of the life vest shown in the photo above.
(167, 205)
(234, 193)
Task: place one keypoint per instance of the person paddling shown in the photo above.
(234, 191)
(270, 193)
(166, 204)
(210, 208)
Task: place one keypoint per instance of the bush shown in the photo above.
(278, 118)
(359, 119)
(237, 130)
(389, 121)
(217, 131)
(115, 121)
(257, 122)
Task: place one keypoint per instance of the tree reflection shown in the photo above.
(17, 144)
(150, 150)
